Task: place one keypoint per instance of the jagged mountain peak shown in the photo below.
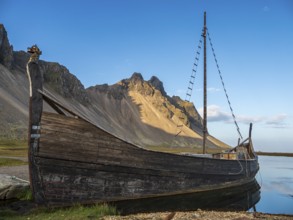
(63, 82)
(136, 77)
(6, 50)
(136, 81)
(154, 93)
(158, 84)
(118, 90)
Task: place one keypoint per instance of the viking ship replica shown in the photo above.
(73, 160)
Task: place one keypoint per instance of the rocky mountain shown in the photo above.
(6, 50)
(137, 110)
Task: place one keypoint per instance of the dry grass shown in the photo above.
(13, 148)
(76, 212)
(11, 162)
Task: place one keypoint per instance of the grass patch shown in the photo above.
(26, 195)
(14, 148)
(11, 162)
(73, 213)
(13, 143)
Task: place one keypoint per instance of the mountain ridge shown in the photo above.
(134, 109)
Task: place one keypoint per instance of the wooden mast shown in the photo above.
(205, 88)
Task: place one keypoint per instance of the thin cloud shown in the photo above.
(266, 8)
(216, 114)
(278, 121)
(210, 89)
(180, 91)
(249, 119)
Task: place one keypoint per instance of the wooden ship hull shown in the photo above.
(77, 162)
(73, 160)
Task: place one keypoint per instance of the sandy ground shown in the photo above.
(18, 171)
(199, 214)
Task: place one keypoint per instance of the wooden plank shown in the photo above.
(130, 157)
(77, 181)
(54, 118)
(57, 106)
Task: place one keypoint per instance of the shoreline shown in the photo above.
(277, 154)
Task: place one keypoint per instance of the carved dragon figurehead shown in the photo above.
(32, 68)
(35, 53)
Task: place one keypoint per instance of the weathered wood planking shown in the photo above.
(80, 162)
(101, 183)
(96, 147)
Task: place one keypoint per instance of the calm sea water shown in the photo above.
(276, 181)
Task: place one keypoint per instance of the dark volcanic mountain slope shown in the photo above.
(143, 110)
(136, 110)
(6, 50)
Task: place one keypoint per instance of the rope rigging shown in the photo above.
(190, 85)
(223, 84)
(193, 72)
(192, 81)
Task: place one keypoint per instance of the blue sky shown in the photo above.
(104, 41)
